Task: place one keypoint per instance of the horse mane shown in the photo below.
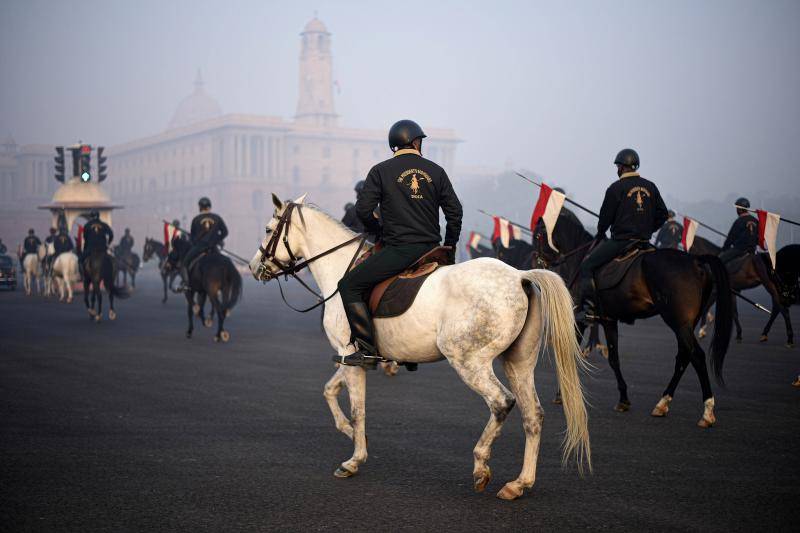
(318, 209)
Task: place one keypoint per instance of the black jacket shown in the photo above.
(410, 190)
(632, 208)
(670, 235)
(62, 243)
(126, 242)
(743, 234)
(97, 235)
(31, 244)
(208, 229)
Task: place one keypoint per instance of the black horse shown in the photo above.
(99, 268)
(748, 272)
(787, 278)
(212, 275)
(480, 251)
(127, 264)
(154, 247)
(518, 254)
(669, 283)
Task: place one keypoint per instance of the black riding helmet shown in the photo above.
(94, 214)
(176, 223)
(52, 231)
(744, 202)
(403, 133)
(204, 203)
(359, 186)
(671, 213)
(31, 232)
(627, 157)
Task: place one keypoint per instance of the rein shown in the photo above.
(292, 267)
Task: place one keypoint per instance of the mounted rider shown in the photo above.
(3, 249)
(62, 243)
(350, 218)
(50, 239)
(633, 209)
(670, 234)
(743, 236)
(208, 230)
(97, 236)
(126, 242)
(409, 190)
(30, 245)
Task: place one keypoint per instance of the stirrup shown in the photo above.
(370, 362)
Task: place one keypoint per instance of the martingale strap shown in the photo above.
(292, 267)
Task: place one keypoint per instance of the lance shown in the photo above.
(223, 250)
(573, 202)
(520, 226)
(709, 228)
(755, 210)
(751, 302)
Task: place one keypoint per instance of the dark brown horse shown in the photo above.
(154, 247)
(665, 282)
(214, 276)
(748, 272)
(99, 270)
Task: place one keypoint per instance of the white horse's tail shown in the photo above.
(559, 332)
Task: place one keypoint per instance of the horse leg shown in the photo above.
(706, 317)
(789, 332)
(190, 312)
(736, 319)
(99, 294)
(201, 304)
(519, 371)
(112, 315)
(164, 281)
(356, 382)
(612, 337)
(216, 305)
(483, 381)
(89, 308)
(698, 358)
(331, 393)
(682, 360)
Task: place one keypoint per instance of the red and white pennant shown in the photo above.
(768, 232)
(689, 230)
(547, 208)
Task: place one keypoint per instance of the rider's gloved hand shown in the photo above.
(451, 255)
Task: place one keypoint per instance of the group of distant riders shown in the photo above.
(207, 231)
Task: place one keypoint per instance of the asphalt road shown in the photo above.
(128, 426)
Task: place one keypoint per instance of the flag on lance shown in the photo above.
(689, 231)
(170, 232)
(474, 239)
(502, 231)
(768, 232)
(547, 208)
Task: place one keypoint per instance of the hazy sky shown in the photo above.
(706, 91)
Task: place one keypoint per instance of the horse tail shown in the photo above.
(724, 320)
(233, 291)
(559, 331)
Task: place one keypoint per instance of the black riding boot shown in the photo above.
(184, 286)
(586, 308)
(362, 333)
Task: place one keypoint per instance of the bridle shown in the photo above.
(291, 267)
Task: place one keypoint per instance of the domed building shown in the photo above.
(197, 107)
(235, 159)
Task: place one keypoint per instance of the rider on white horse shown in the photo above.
(409, 190)
(31, 244)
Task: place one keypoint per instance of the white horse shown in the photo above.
(65, 273)
(47, 268)
(32, 265)
(470, 314)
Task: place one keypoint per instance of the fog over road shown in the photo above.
(127, 425)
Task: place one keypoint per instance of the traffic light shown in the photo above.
(101, 164)
(86, 162)
(60, 163)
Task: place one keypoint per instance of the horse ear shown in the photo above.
(301, 199)
(276, 201)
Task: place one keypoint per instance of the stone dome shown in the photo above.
(78, 193)
(196, 107)
(315, 26)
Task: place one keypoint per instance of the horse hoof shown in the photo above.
(112, 315)
(196, 310)
(97, 318)
(343, 473)
(509, 492)
(622, 407)
(790, 345)
(762, 338)
(224, 336)
(208, 322)
(705, 423)
(188, 334)
(482, 479)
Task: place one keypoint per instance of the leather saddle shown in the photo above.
(737, 263)
(612, 273)
(393, 296)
